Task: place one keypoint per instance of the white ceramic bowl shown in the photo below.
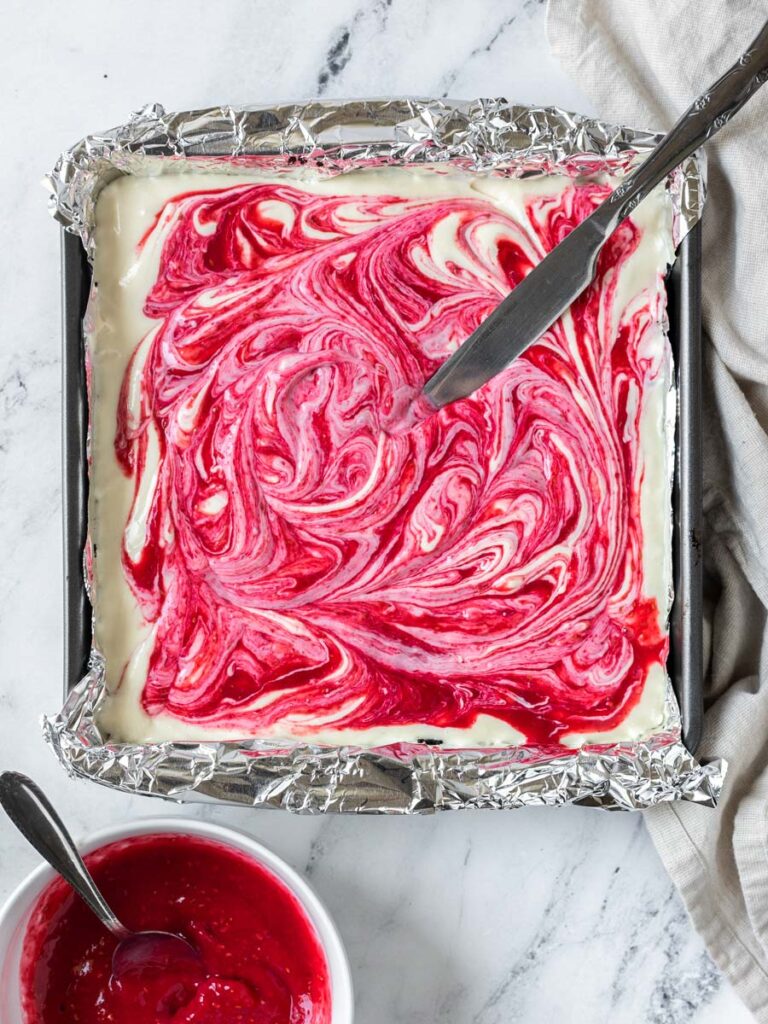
(15, 914)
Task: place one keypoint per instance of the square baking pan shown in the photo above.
(684, 310)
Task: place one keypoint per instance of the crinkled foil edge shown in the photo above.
(475, 134)
(485, 134)
(407, 779)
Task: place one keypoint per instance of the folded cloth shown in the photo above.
(642, 62)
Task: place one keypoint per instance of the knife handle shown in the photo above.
(706, 116)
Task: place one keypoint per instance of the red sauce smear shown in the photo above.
(262, 962)
(303, 558)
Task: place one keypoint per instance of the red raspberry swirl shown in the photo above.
(300, 558)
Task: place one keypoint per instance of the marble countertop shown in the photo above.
(475, 917)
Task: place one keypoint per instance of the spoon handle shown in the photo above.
(32, 814)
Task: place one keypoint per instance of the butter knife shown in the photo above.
(550, 288)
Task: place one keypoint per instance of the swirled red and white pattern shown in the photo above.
(304, 569)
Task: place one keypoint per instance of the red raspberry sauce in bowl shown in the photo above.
(263, 961)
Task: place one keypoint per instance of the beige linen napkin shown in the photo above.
(642, 62)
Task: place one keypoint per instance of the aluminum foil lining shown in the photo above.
(403, 779)
(480, 134)
(489, 135)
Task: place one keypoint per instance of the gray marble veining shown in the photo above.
(470, 918)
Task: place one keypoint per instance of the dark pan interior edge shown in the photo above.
(685, 661)
(77, 608)
(686, 625)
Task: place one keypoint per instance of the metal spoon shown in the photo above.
(32, 814)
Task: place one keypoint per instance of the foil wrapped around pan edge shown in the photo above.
(403, 778)
(407, 779)
(478, 134)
